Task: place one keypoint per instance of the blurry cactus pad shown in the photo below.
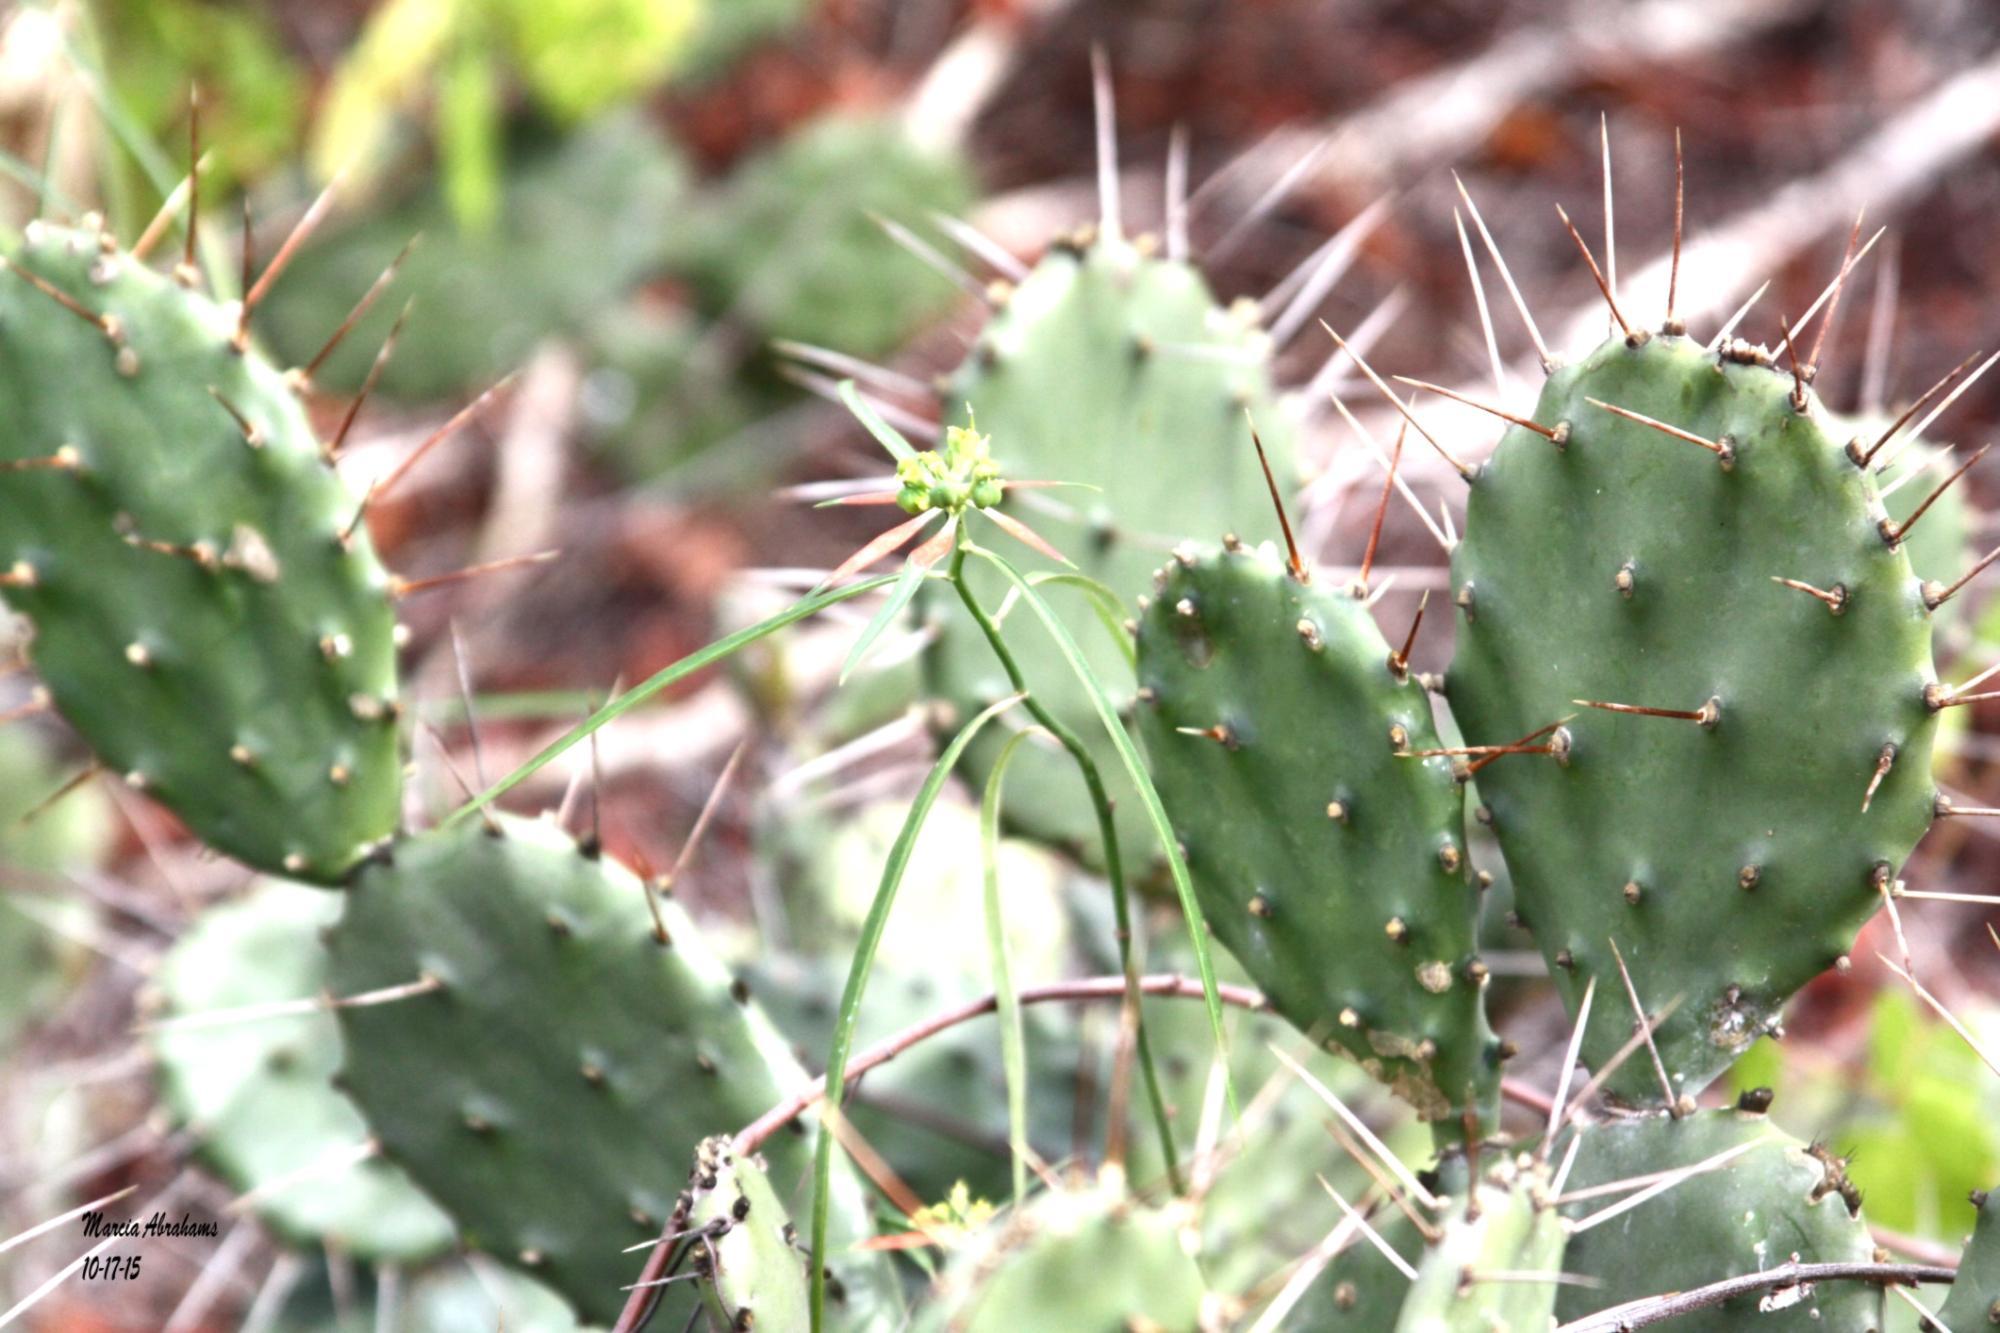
(1975, 1295)
(207, 610)
(252, 1087)
(1684, 568)
(553, 998)
(1112, 367)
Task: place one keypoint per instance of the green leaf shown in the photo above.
(468, 133)
(899, 597)
(680, 670)
(1007, 1004)
(1156, 813)
(857, 981)
(885, 434)
(1111, 609)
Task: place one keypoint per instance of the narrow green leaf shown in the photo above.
(1013, 1037)
(680, 670)
(899, 597)
(885, 434)
(857, 981)
(1156, 814)
(1111, 610)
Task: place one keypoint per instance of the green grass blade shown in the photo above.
(1156, 814)
(899, 597)
(1013, 1037)
(857, 981)
(885, 434)
(1111, 611)
(680, 670)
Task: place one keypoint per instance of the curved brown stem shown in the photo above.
(1658, 1309)
(752, 1137)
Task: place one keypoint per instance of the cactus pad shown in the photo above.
(1733, 851)
(1752, 1212)
(1312, 833)
(1974, 1302)
(1505, 1230)
(1108, 367)
(255, 1091)
(206, 612)
(552, 1090)
(1088, 1260)
(752, 1275)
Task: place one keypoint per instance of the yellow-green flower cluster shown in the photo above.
(963, 474)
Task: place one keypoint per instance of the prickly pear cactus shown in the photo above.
(207, 612)
(741, 1242)
(1732, 848)
(1479, 1276)
(552, 1089)
(1085, 1260)
(1974, 1302)
(1328, 857)
(254, 1091)
(1777, 1198)
(1113, 368)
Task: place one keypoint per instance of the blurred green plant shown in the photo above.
(572, 58)
(253, 91)
(790, 244)
(581, 225)
(38, 956)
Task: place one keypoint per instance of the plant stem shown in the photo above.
(1107, 830)
(751, 1138)
(1658, 1309)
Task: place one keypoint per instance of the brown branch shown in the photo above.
(1659, 1309)
(753, 1136)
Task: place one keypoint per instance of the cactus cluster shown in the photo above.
(1694, 684)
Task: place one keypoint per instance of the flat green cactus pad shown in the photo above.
(1328, 857)
(552, 1090)
(255, 1092)
(1480, 1275)
(1085, 1260)
(1974, 1302)
(1776, 1199)
(1730, 852)
(752, 1274)
(206, 613)
(1117, 370)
